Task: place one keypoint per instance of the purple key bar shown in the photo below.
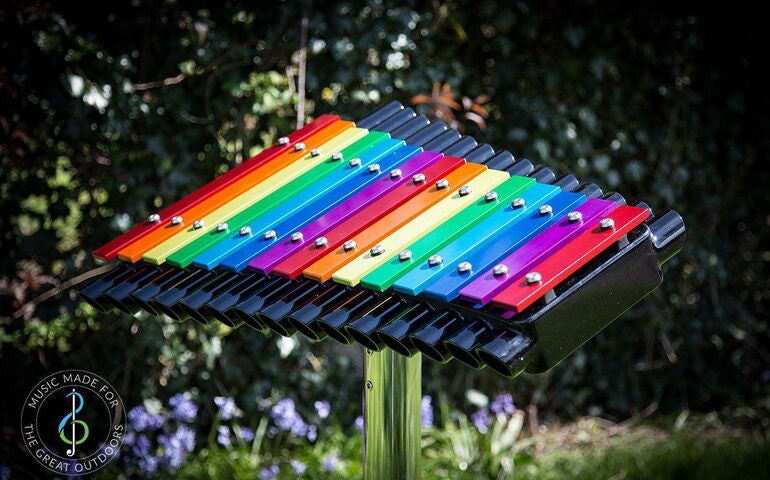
(484, 288)
(275, 255)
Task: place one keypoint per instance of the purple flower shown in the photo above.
(322, 408)
(502, 404)
(140, 420)
(286, 417)
(176, 446)
(183, 408)
(5, 472)
(312, 433)
(426, 411)
(223, 436)
(148, 465)
(299, 467)
(272, 431)
(270, 472)
(227, 407)
(359, 423)
(330, 462)
(142, 446)
(246, 434)
(480, 419)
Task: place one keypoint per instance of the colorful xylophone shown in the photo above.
(396, 231)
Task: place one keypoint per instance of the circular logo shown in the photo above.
(73, 422)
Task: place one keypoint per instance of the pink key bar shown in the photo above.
(533, 285)
(493, 281)
(110, 250)
(286, 247)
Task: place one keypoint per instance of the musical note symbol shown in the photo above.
(70, 417)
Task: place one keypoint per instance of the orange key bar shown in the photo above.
(137, 249)
(323, 269)
(110, 250)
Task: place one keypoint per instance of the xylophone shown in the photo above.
(396, 232)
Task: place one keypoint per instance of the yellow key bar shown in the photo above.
(159, 253)
(352, 273)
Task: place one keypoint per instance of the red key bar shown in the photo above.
(293, 266)
(110, 250)
(556, 268)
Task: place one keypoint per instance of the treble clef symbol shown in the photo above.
(70, 417)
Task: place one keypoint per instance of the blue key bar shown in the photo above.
(346, 176)
(488, 253)
(257, 244)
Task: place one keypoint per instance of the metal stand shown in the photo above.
(392, 397)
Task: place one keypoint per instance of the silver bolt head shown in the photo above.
(404, 256)
(315, 152)
(607, 223)
(355, 162)
(299, 146)
(377, 250)
(198, 224)
(177, 220)
(154, 218)
(283, 141)
(418, 178)
(244, 231)
(465, 190)
(374, 168)
(297, 236)
(395, 173)
(490, 196)
(349, 245)
(574, 216)
(518, 202)
(464, 267)
(443, 183)
(533, 277)
(269, 235)
(221, 227)
(545, 210)
(321, 242)
(337, 156)
(435, 260)
(499, 270)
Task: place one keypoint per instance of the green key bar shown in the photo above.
(383, 277)
(185, 255)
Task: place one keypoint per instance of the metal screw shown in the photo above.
(337, 156)
(574, 216)
(518, 202)
(176, 220)
(490, 196)
(297, 236)
(198, 224)
(465, 190)
(355, 162)
(154, 218)
(464, 267)
(369, 385)
(377, 250)
(404, 256)
(607, 223)
(299, 146)
(269, 235)
(395, 173)
(222, 227)
(374, 168)
(418, 178)
(443, 183)
(315, 152)
(499, 270)
(545, 210)
(435, 260)
(349, 245)
(533, 277)
(244, 231)
(283, 141)
(321, 242)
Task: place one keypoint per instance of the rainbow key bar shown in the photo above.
(396, 232)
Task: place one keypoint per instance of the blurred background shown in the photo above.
(110, 112)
